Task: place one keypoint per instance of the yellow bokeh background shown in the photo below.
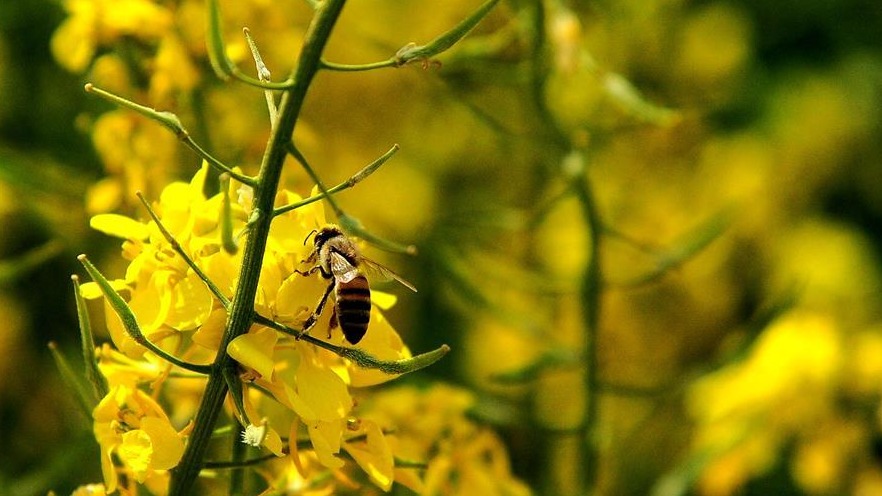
(732, 154)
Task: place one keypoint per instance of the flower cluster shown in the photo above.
(292, 387)
(790, 392)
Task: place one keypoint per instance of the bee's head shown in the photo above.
(324, 234)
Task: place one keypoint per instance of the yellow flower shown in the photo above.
(133, 427)
(90, 490)
(431, 426)
(373, 454)
(121, 370)
(747, 411)
(95, 23)
(165, 294)
(174, 71)
(311, 384)
(137, 154)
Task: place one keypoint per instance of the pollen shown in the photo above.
(254, 434)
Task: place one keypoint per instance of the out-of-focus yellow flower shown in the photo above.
(132, 427)
(745, 412)
(89, 490)
(795, 362)
(833, 265)
(864, 369)
(822, 460)
(431, 426)
(136, 154)
(714, 45)
(173, 71)
(95, 23)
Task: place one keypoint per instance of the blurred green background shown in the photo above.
(733, 150)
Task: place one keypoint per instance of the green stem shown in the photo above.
(590, 295)
(352, 181)
(173, 124)
(93, 375)
(333, 66)
(176, 246)
(359, 357)
(316, 179)
(130, 322)
(237, 474)
(242, 310)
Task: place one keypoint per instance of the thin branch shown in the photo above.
(176, 246)
(130, 322)
(263, 73)
(413, 52)
(352, 181)
(222, 65)
(590, 293)
(173, 123)
(358, 356)
(349, 224)
(87, 341)
(333, 66)
(315, 178)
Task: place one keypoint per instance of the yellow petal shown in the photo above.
(119, 226)
(374, 456)
(197, 184)
(91, 291)
(174, 207)
(108, 470)
(297, 297)
(384, 301)
(191, 303)
(273, 442)
(211, 331)
(325, 437)
(152, 302)
(168, 447)
(381, 341)
(410, 479)
(437, 474)
(136, 451)
(73, 43)
(300, 407)
(108, 407)
(324, 391)
(255, 350)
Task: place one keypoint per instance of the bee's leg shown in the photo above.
(333, 324)
(311, 320)
(308, 272)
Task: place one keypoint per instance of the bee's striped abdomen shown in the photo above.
(353, 307)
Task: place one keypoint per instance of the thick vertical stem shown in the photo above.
(237, 455)
(590, 294)
(242, 310)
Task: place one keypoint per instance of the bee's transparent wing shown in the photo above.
(385, 273)
(341, 268)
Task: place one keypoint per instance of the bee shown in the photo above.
(337, 258)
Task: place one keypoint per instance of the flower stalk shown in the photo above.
(130, 322)
(242, 313)
(172, 123)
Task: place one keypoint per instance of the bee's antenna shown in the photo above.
(314, 231)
